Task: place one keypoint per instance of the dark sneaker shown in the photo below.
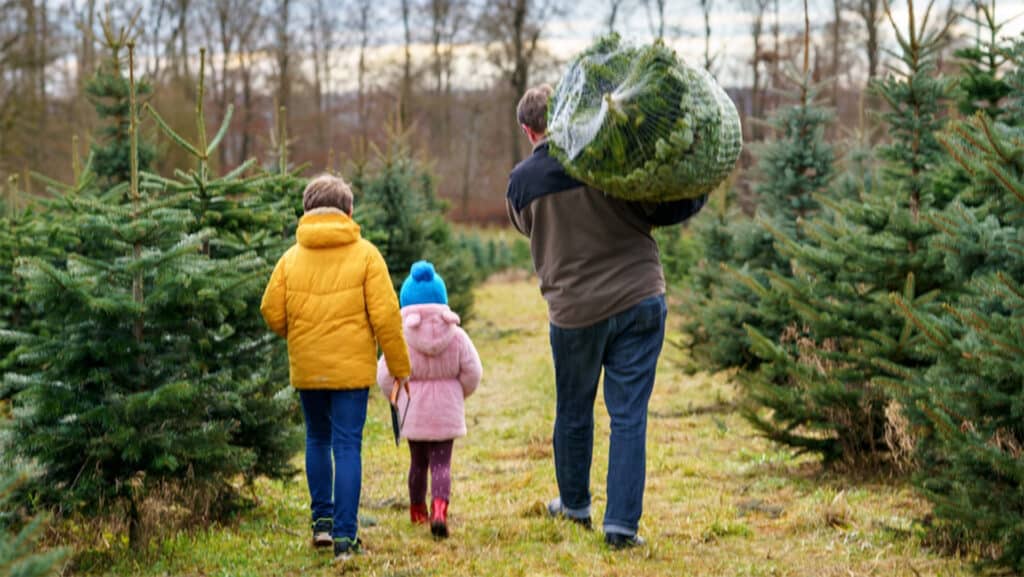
(322, 532)
(557, 511)
(344, 548)
(622, 541)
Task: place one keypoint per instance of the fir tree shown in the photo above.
(124, 391)
(818, 378)
(791, 170)
(398, 212)
(967, 406)
(242, 234)
(19, 540)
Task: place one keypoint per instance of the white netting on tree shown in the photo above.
(639, 124)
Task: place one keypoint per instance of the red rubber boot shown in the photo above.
(418, 513)
(439, 519)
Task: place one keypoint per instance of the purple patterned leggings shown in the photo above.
(437, 456)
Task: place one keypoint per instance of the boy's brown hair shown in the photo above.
(532, 109)
(327, 191)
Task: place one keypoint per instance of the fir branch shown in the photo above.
(751, 283)
(933, 333)
(946, 143)
(241, 169)
(1005, 179)
(997, 144)
(170, 131)
(1010, 284)
(222, 131)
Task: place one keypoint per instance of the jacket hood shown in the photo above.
(326, 229)
(429, 329)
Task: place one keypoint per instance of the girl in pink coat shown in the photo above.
(445, 370)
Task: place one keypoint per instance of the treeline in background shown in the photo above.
(337, 72)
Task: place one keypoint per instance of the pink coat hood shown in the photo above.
(445, 370)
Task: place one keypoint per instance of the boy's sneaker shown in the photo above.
(322, 532)
(344, 548)
(558, 511)
(619, 541)
(439, 519)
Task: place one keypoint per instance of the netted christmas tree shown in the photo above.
(729, 291)
(816, 388)
(129, 391)
(969, 405)
(19, 536)
(640, 124)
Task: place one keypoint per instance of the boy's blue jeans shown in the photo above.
(627, 346)
(334, 425)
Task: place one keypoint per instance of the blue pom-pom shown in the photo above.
(423, 271)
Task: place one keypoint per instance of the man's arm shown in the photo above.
(674, 212)
(520, 219)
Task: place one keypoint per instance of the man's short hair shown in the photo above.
(327, 191)
(532, 110)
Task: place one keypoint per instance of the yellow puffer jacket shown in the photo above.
(330, 295)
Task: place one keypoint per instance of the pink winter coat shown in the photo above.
(445, 370)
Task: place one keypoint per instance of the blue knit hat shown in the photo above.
(423, 286)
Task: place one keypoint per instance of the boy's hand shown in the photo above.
(399, 383)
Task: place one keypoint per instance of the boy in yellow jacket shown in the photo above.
(331, 297)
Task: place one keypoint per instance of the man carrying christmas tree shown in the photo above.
(331, 296)
(601, 276)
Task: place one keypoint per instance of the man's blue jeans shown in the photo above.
(627, 346)
(334, 425)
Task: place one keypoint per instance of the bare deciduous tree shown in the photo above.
(615, 7)
(757, 9)
(705, 8)
(405, 101)
(324, 40)
(250, 31)
(656, 16)
(837, 30)
(283, 54)
(362, 20)
(447, 21)
(512, 29)
(871, 15)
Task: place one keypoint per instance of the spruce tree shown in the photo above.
(399, 212)
(727, 294)
(981, 86)
(125, 394)
(818, 380)
(968, 405)
(108, 91)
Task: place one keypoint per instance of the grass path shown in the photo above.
(719, 500)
